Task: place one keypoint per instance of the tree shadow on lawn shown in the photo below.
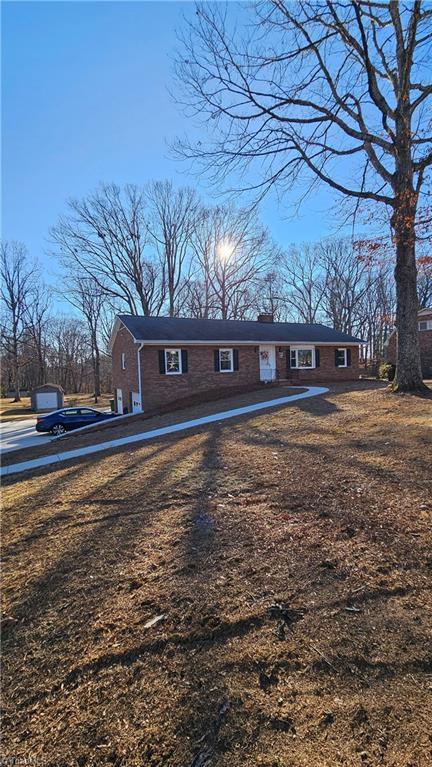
(52, 494)
(213, 701)
(226, 557)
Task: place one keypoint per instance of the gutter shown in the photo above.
(178, 342)
(139, 372)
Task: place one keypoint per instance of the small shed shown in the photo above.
(47, 397)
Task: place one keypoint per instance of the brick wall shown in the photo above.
(159, 389)
(126, 380)
(327, 370)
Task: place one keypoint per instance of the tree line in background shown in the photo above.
(158, 250)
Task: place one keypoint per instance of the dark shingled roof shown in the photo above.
(177, 329)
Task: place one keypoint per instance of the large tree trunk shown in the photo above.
(408, 375)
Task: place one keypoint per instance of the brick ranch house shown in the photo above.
(425, 340)
(158, 360)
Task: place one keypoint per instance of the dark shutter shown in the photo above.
(235, 359)
(336, 358)
(184, 358)
(348, 357)
(288, 358)
(162, 361)
(317, 358)
(216, 360)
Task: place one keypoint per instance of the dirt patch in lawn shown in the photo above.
(135, 424)
(251, 595)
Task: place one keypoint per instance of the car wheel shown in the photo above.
(57, 429)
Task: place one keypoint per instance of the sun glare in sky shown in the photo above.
(225, 249)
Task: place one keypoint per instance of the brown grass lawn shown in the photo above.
(15, 411)
(323, 508)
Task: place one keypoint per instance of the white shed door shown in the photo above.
(46, 400)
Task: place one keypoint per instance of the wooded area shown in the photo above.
(157, 250)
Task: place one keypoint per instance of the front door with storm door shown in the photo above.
(267, 360)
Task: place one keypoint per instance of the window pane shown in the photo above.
(173, 362)
(225, 356)
(304, 357)
(341, 359)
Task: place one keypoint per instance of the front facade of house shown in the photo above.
(159, 360)
(425, 341)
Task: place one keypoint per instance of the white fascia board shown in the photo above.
(225, 343)
(115, 330)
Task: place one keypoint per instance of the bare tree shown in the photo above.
(106, 237)
(37, 319)
(232, 252)
(347, 278)
(173, 219)
(425, 281)
(304, 283)
(86, 296)
(68, 352)
(270, 297)
(17, 277)
(334, 92)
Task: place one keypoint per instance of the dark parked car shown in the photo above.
(69, 418)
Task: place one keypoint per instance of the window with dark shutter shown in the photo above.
(317, 357)
(216, 360)
(348, 357)
(288, 358)
(184, 360)
(341, 357)
(161, 361)
(236, 359)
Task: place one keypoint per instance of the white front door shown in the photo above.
(267, 359)
(119, 401)
(136, 402)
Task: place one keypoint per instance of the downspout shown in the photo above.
(139, 373)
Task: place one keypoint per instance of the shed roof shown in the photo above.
(184, 330)
(48, 386)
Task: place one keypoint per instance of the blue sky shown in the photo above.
(85, 99)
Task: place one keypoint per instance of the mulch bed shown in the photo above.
(252, 594)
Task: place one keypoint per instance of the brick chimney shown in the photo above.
(265, 318)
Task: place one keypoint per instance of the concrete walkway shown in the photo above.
(49, 460)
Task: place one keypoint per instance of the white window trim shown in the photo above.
(345, 351)
(123, 361)
(306, 348)
(428, 324)
(173, 372)
(231, 370)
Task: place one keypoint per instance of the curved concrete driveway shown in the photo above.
(36, 463)
(20, 434)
